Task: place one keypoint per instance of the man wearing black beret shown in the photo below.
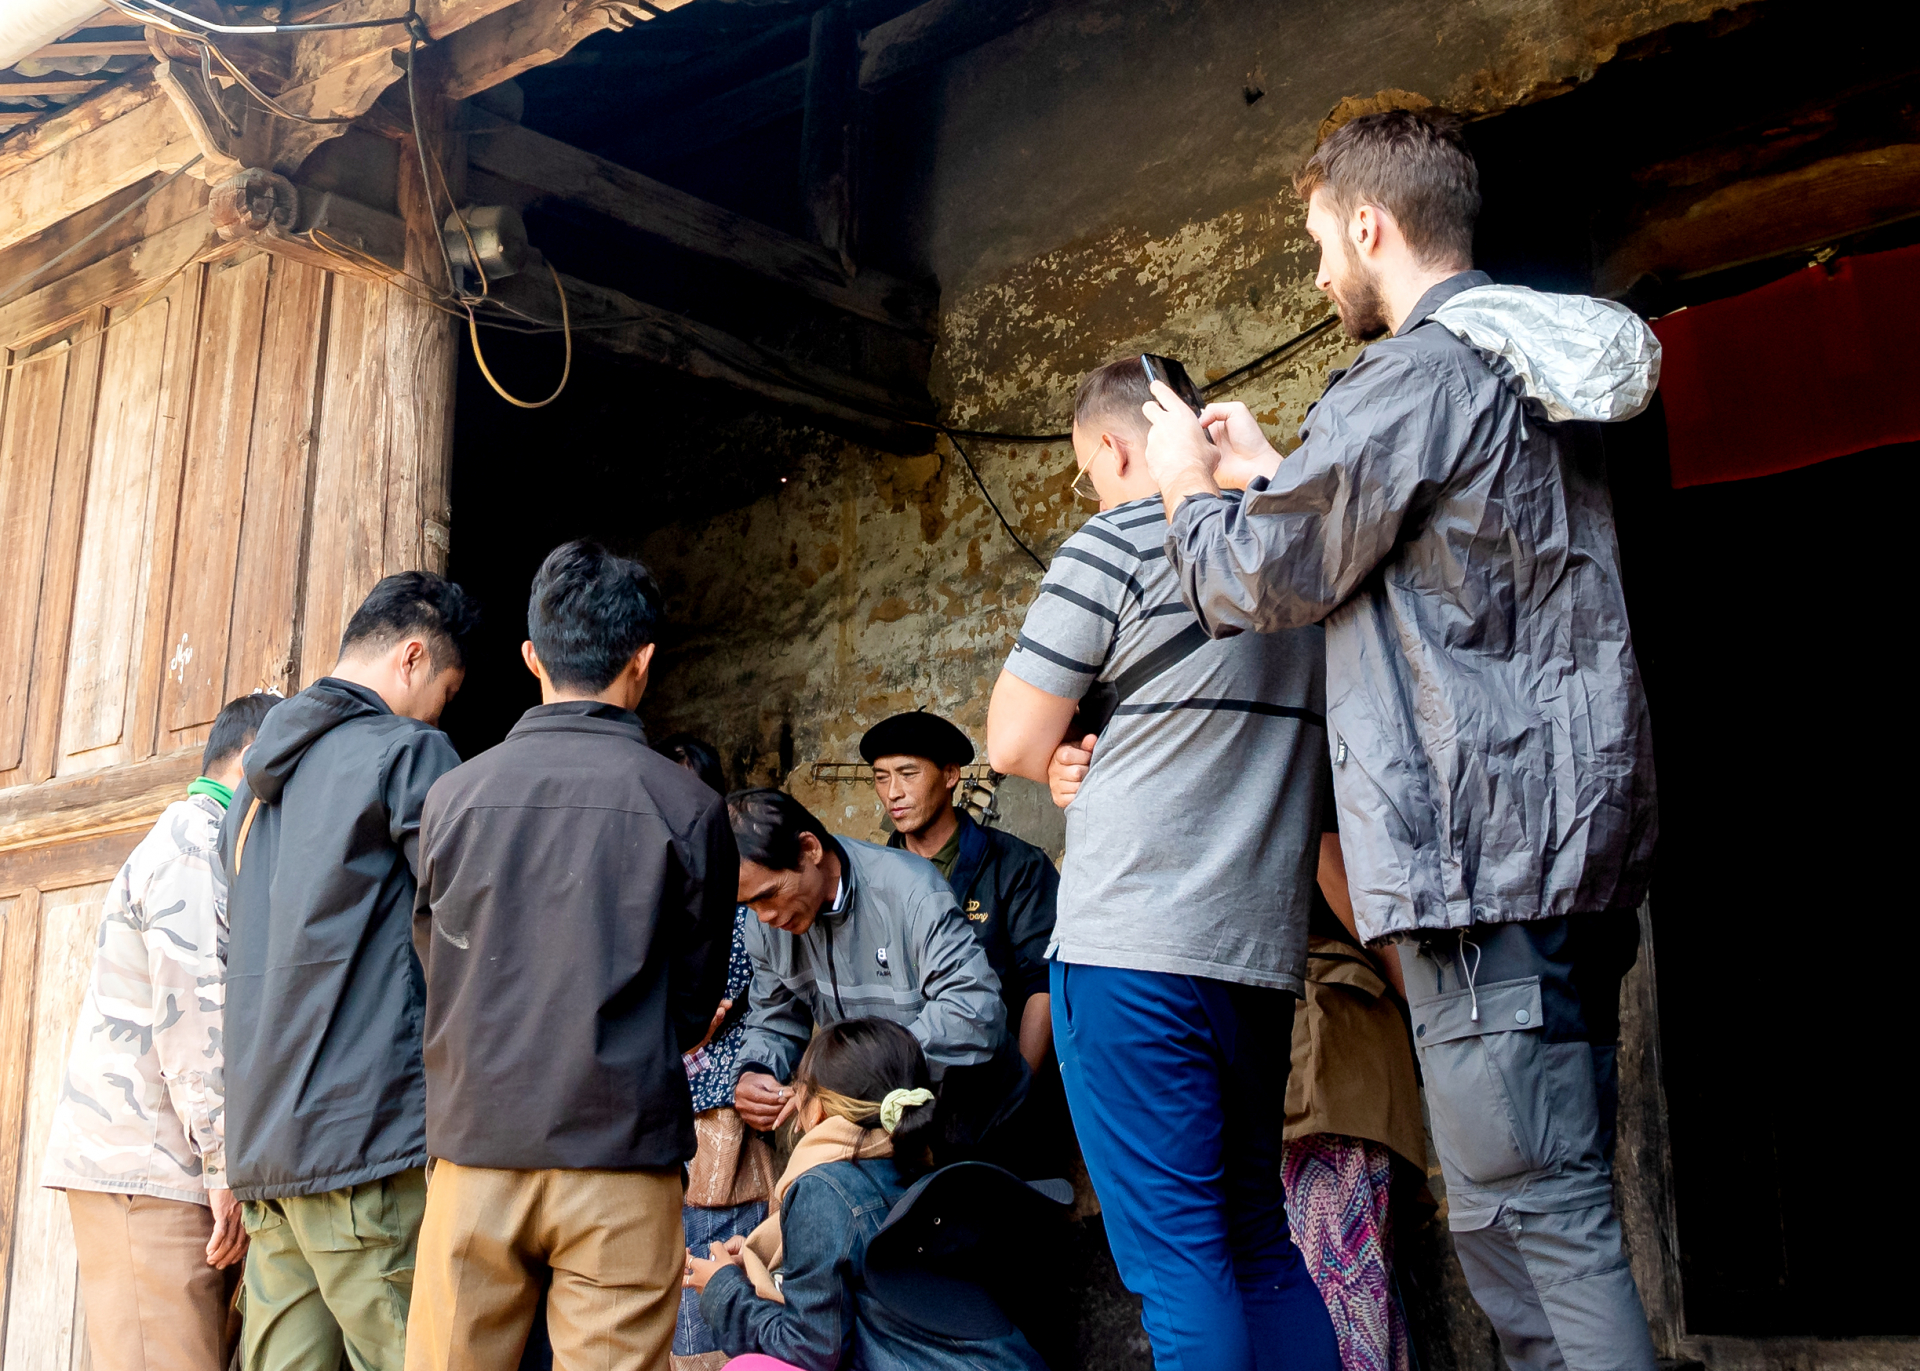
(1004, 886)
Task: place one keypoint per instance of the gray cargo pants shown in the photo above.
(1516, 1027)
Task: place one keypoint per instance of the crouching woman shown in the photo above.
(790, 1292)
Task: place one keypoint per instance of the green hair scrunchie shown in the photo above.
(899, 1102)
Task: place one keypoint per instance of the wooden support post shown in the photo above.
(19, 974)
(830, 129)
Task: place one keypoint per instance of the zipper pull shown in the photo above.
(1340, 757)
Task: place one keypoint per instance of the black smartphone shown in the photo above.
(1172, 375)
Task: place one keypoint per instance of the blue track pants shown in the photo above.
(1178, 1087)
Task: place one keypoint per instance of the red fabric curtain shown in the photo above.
(1823, 363)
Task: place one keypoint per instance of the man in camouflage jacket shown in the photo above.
(137, 1139)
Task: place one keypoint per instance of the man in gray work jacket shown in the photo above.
(1491, 751)
(850, 930)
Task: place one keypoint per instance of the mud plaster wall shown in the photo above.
(1110, 178)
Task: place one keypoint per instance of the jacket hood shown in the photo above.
(1575, 356)
(296, 724)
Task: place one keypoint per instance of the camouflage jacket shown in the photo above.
(141, 1108)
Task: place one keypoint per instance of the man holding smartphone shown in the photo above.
(1180, 943)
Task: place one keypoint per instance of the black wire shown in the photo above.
(990, 500)
(211, 27)
(1271, 354)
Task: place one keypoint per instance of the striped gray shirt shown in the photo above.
(1193, 844)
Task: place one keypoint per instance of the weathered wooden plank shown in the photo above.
(35, 389)
(266, 595)
(830, 128)
(14, 87)
(109, 800)
(92, 163)
(19, 968)
(129, 93)
(56, 866)
(346, 547)
(59, 569)
(116, 534)
(40, 1297)
(143, 266)
(686, 221)
(421, 360)
(227, 374)
(108, 47)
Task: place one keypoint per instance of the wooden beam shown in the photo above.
(56, 866)
(20, 87)
(61, 127)
(91, 162)
(727, 116)
(143, 266)
(655, 335)
(935, 31)
(526, 35)
(13, 118)
(117, 798)
(117, 47)
(830, 129)
(553, 168)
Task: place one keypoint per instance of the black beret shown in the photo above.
(918, 734)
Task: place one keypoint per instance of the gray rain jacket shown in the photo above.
(897, 949)
(1492, 758)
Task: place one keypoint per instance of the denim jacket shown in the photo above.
(829, 1320)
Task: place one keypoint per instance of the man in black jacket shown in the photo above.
(1005, 887)
(325, 1127)
(575, 915)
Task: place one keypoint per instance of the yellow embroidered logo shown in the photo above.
(976, 913)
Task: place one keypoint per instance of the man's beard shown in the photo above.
(1363, 311)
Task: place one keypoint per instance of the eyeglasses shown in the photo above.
(1082, 484)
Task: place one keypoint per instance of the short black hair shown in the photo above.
(589, 612)
(235, 727)
(767, 825)
(697, 756)
(413, 602)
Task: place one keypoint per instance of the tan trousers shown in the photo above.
(612, 1238)
(153, 1303)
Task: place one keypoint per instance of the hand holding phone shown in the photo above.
(1171, 374)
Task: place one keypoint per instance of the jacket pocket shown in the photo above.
(1487, 1082)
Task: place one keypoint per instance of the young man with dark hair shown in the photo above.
(850, 930)
(325, 1095)
(1451, 526)
(1006, 888)
(1180, 949)
(137, 1139)
(574, 920)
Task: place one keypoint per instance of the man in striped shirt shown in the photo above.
(1192, 848)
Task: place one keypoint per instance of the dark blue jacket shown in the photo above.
(1007, 888)
(830, 1321)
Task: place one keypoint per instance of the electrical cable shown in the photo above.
(991, 503)
(240, 29)
(65, 253)
(566, 367)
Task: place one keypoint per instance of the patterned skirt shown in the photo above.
(1337, 1189)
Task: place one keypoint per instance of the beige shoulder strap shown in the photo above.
(246, 827)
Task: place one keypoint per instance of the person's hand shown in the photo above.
(719, 1017)
(700, 1270)
(1179, 457)
(1242, 444)
(229, 1241)
(762, 1101)
(1067, 768)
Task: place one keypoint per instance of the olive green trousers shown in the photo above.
(332, 1273)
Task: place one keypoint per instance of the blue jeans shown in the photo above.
(691, 1336)
(1178, 1089)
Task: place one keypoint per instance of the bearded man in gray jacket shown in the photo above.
(1448, 521)
(850, 930)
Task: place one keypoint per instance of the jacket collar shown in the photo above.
(849, 882)
(974, 845)
(581, 716)
(1437, 296)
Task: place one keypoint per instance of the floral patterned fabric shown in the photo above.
(1337, 1190)
(710, 1069)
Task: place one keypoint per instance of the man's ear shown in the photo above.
(1122, 453)
(951, 775)
(413, 658)
(811, 850)
(644, 658)
(532, 659)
